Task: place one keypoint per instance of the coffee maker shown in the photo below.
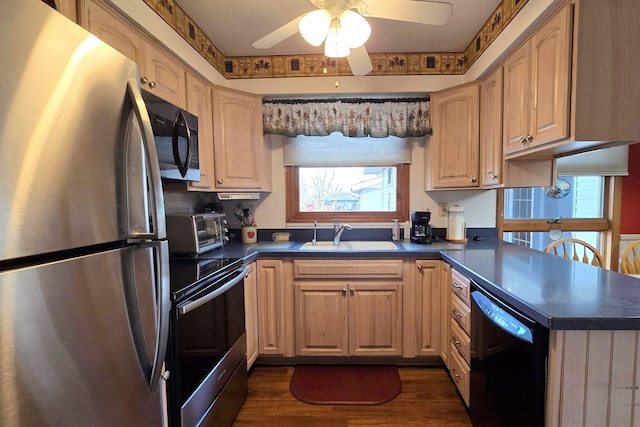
(420, 228)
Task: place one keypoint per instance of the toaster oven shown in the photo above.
(196, 233)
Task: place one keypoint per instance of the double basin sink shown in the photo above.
(358, 245)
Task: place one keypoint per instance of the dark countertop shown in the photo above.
(556, 292)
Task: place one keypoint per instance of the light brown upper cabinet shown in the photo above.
(241, 158)
(573, 85)
(160, 73)
(491, 158)
(536, 87)
(199, 104)
(452, 154)
(68, 9)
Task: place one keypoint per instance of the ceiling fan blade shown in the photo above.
(359, 61)
(421, 12)
(280, 34)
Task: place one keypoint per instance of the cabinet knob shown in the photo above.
(523, 141)
(456, 313)
(420, 268)
(152, 85)
(352, 291)
(344, 291)
(144, 80)
(220, 180)
(472, 180)
(494, 176)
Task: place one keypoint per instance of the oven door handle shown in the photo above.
(188, 306)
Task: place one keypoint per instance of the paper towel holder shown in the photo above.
(456, 227)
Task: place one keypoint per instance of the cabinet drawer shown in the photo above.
(460, 374)
(461, 313)
(460, 286)
(347, 269)
(461, 341)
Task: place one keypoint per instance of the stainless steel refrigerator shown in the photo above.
(84, 298)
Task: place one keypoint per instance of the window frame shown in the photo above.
(295, 216)
(608, 225)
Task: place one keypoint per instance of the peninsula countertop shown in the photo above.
(558, 293)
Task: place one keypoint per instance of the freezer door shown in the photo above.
(78, 340)
(67, 104)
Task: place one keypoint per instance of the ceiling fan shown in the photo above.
(344, 31)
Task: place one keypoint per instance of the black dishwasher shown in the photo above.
(509, 355)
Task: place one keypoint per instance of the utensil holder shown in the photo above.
(249, 234)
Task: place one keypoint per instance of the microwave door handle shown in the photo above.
(188, 306)
(158, 231)
(182, 167)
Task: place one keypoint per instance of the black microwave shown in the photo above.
(176, 135)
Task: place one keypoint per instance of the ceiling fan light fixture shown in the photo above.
(336, 45)
(314, 26)
(356, 29)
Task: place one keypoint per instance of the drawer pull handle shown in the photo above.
(456, 313)
(455, 285)
(456, 342)
(455, 374)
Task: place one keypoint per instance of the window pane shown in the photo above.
(584, 199)
(540, 239)
(348, 189)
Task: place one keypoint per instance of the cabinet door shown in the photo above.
(491, 130)
(375, 319)
(115, 32)
(199, 103)
(321, 326)
(455, 139)
(445, 310)
(164, 76)
(68, 9)
(238, 140)
(272, 308)
(550, 91)
(517, 83)
(251, 313)
(428, 300)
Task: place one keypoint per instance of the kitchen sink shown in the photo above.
(358, 245)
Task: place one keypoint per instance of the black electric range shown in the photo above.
(190, 273)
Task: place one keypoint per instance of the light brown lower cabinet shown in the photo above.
(460, 347)
(251, 313)
(348, 307)
(348, 318)
(275, 308)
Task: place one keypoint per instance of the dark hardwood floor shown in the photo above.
(428, 398)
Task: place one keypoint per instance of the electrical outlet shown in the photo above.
(443, 209)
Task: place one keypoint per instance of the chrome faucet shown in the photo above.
(315, 231)
(338, 229)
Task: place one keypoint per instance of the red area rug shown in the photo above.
(345, 385)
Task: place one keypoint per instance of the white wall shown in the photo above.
(270, 210)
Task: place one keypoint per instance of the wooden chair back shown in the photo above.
(577, 250)
(630, 262)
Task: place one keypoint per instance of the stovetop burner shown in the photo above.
(190, 274)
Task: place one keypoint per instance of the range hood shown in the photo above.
(238, 196)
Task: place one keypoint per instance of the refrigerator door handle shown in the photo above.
(182, 167)
(163, 305)
(158, 231)
(149, 337)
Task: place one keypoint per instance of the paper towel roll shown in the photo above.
(457, 227)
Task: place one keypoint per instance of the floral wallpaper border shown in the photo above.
(384, 64)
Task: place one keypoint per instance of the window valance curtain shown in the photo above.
(355, 118)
